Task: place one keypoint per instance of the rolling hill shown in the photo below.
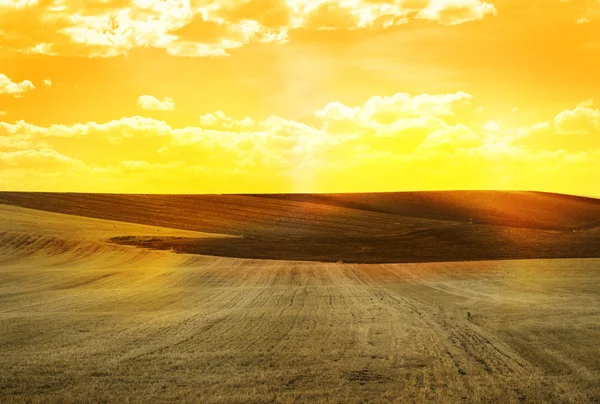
(83, 319)
(360, 228)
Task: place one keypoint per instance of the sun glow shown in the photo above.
(299, 96)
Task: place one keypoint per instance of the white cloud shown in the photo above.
(48, 82)
(7, 86)
(453, 12)
(354, 14)
(491, 127)
(43, 159)
(583, 119)
(220, 120)
(392, 115)
(405, 141)
(208, 27)
(150, 102)
(18, 4)
(450, 138)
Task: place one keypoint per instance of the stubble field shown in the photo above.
(85, 320)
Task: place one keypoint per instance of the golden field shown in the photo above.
(83, 319)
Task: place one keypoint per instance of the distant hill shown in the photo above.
(535, 210)
(367, 227)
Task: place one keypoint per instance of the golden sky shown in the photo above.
(222, 96)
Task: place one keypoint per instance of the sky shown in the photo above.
(239, 96)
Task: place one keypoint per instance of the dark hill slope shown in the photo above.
(536, 210)
(228, 214)
(373, 228)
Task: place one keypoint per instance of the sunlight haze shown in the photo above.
(264, 96)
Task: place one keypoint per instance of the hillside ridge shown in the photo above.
(356, 228)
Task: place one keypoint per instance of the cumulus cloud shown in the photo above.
(152, 103)
(44, 159)
(453, 12)
(583, 119)
(394, 115)
(18, 4)
(328, 14)
(219, 119)
(401, 141)
(491, 127)
(204, 28)
(576, 129)
(48, 82)
(16, 89)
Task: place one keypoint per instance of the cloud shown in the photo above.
(152, 103)
(451, 138)
(583, 119)
(48, 82)
(18, 4)
(392, 115)
(453, 12)
(402, 141)
(340, 14)
(44, 159)
(491, 127)
(16, 89)
(219, 119)
(3, 112)
(204, 28)
(576, 129)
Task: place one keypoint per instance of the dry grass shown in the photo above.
(86, 321)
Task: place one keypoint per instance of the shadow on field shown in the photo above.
(457, 243)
